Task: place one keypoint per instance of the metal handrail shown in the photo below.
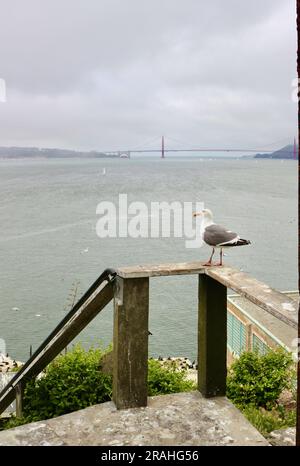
(35, 365)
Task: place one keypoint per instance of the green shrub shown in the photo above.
(259, 380)
(166, 379)
(71, 382)
(15, 369)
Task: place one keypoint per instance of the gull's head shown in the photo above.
(205, 213)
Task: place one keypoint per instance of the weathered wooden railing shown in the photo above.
(89, 305)
(130, 289)
(131, 324)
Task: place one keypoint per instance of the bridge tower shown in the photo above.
(162, 147)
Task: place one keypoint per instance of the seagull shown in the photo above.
(217, 236)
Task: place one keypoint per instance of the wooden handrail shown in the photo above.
(88, 306)
(131, 324)
(272, 301)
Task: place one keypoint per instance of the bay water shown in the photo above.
(50, 252)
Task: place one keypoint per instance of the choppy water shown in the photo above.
(48, 238)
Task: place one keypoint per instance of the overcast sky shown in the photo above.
(109, 74)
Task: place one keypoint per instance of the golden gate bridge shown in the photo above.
(163, 149)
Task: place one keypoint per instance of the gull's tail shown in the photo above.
(242, 242)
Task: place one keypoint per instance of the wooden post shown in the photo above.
(19, 388)
(130, 342)
(212, 337)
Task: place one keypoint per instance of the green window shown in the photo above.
(236, 335)
(258, 345)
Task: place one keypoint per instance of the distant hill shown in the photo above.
(29, 152)
(287, 152)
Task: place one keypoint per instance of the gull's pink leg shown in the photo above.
(210, 259)
(221, 257)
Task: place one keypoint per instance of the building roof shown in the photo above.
(281, 332)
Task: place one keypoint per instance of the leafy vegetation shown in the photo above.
(266, 421)
(167, 379)
(259, 380)
(15, 369)
(254, 385)
(11, 422)
(74, 381)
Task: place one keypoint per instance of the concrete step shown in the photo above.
(177, 419)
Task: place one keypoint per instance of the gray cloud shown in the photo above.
(100, 74)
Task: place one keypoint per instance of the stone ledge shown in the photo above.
(177, 419)
(283, 437)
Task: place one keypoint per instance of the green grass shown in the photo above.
(266, 421)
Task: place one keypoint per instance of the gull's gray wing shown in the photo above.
(215, 235)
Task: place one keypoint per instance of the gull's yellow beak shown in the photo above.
(195, 214)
